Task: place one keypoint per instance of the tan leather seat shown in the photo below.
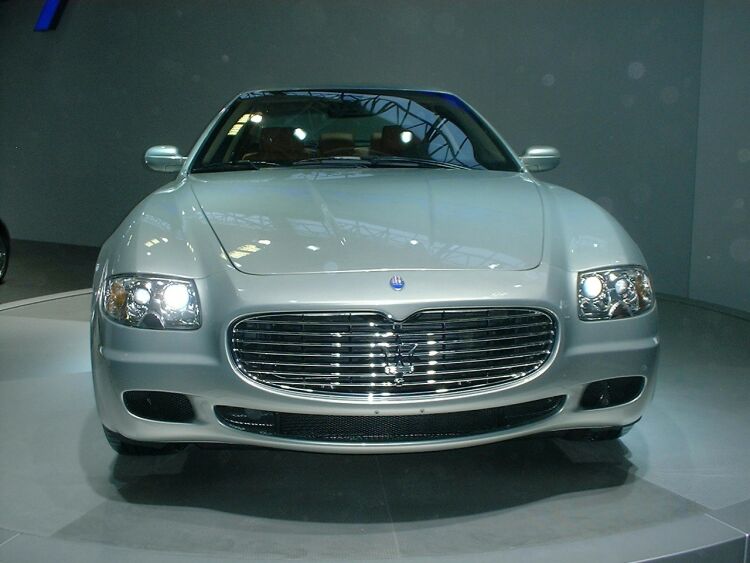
(336, 144)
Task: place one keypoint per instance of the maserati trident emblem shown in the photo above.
(399, 362)
(397, 283)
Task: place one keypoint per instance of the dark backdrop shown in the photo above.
(615, 85)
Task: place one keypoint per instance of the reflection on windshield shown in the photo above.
(283, 127)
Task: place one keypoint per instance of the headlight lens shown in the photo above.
(614, 293)
(151, 302)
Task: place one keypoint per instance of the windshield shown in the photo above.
(351, 128)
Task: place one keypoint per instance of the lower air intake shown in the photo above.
(159, 405)
(404, 428)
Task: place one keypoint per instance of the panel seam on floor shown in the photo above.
(697, 141)
(702, 508)
(704, 305)
(388, 509)
(10, 539)
(158, 464)
(42, 298)
(743, 532)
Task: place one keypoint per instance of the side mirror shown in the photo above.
(164, 158)
(539, 159)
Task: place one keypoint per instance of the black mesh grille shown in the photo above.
(408, 428)
(159, 405)
(367, 353)
(612, 392)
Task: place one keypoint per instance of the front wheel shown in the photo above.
(596, 434)
(607, 434)
(126, 446)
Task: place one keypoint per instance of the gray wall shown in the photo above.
(720, 265)
(614, 85)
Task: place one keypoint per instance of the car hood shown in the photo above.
(284, 221)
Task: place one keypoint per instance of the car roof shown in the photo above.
(359, 88)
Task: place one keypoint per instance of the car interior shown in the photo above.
(289, 144)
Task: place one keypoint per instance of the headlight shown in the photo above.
(151, 302)
(614, 293)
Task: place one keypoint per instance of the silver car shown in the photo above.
(366, 271)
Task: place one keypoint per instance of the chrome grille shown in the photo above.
(367, 353)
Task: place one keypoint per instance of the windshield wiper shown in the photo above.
(378, 161)
(407, 160)
(233, 166)
(332, 161)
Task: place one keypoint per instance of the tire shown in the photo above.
(595, 434)
(126, 446)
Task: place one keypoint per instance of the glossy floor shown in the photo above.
(677, 486)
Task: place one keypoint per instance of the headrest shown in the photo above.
(336, 144)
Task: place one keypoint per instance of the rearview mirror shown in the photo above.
(164, 158)
(539, 159)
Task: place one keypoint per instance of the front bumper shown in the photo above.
(197, 363)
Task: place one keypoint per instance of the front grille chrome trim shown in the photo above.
(411, 334)
(446, 372)
(437, 342)
(370, 355)
(366, 354)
